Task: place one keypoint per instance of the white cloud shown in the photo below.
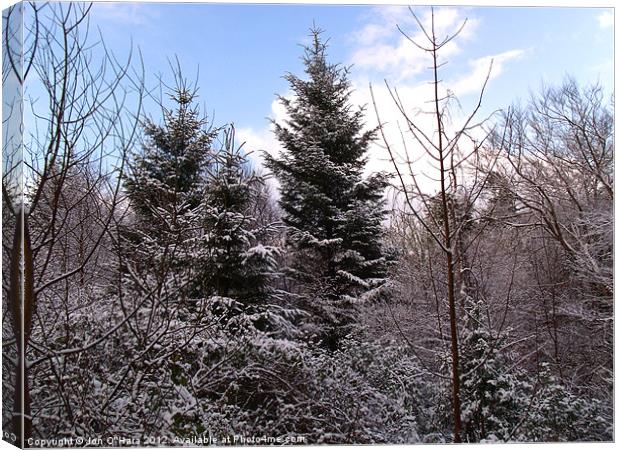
(125, 13)
(411, 157)
(473, 82)
(259, 141)
(381, 47)
(606, 19)
(371, 34)
(394, 58)
(262, 140)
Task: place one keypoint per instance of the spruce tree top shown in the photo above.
(320, 169)
(171, 165)
(321, 111)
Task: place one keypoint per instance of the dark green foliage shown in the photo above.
(333, 215)
(192, 205)
(490, 389)
(165, 186)
(170, 169)
(502, 402)
(238, 264)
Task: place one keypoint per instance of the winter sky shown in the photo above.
(242, 52)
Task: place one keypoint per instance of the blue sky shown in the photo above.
(242, 52)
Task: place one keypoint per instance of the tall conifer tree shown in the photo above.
(333, 214)
(192, 205)
(241, 265)
(170, 169)
(166, 185)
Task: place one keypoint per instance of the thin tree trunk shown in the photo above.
(22, 303)
(456, 399)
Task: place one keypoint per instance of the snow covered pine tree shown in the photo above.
(192, 206)
(241, 264)
(333, 215)
(196, 264)
(166, 182)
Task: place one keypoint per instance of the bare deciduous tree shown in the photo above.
(558, 169)
(80, 126)
(444, 212)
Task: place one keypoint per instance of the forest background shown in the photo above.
(426, 269)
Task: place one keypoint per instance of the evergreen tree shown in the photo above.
(192, 205)
(193, 266)
(169, 171)
(166, 185)
(333, 215)
(490, 393)
(239, 265)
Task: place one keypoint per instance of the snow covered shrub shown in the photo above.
(551, 412)
(266, 385)
(489, 388)
(502, 402)
(373, 393)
